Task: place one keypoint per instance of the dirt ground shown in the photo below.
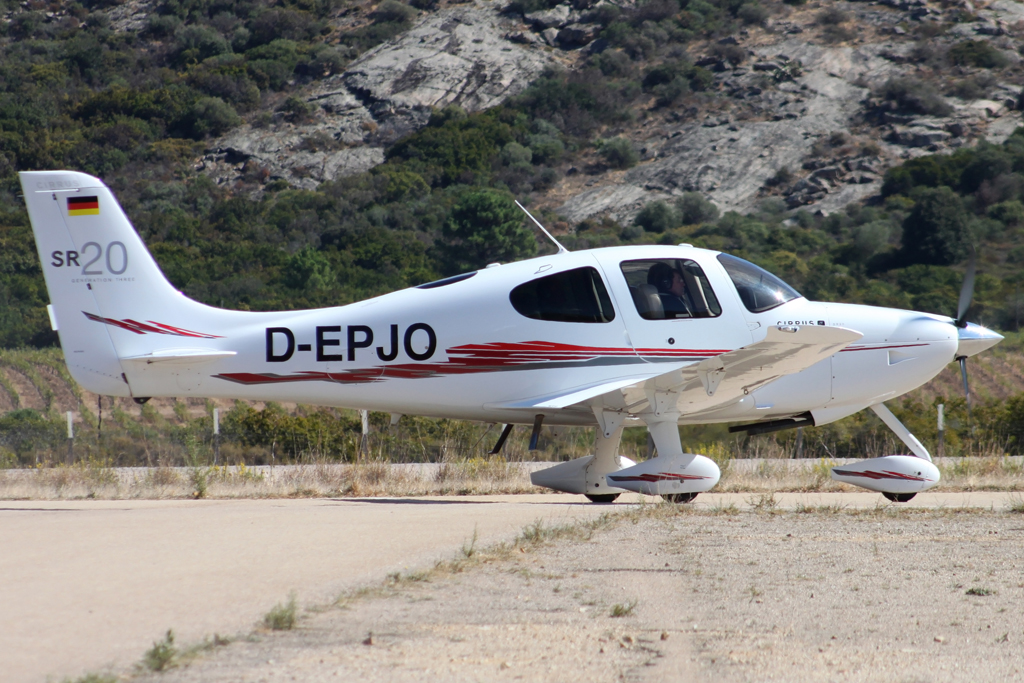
(671, 594)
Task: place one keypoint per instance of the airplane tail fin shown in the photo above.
(109, 299)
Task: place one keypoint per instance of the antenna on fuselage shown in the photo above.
(561, 249)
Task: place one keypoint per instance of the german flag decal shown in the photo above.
(83, 206)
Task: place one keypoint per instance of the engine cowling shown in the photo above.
(668, 475)
(899, 474)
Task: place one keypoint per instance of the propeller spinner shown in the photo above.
(972, 339)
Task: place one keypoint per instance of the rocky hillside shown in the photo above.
(283, 154)
(807, 102)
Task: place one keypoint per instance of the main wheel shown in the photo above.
(899, 497)
(601, 498)
(680, 497)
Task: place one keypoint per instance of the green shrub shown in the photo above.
(308, 269)
(657, 216)
(979, 53)
(753, 14)
(296, 109)
(613, 63)
(393, 11)
(937, 230)
(915, 96)
(832, 16)
(282, 24)
(619, 153)
(211, 116)
(485, 226)
(1008, 213)
(694, 208)
(27, 430)
(196, 43)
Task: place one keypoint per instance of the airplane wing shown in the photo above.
(726, 378)
(698, 386)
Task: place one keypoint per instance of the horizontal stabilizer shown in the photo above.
(180, 356)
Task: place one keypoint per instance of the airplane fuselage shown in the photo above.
(461, 349)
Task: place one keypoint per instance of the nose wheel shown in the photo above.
(679, 497)
(899, 497)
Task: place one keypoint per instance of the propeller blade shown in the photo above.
(967, 291)
(967, 390)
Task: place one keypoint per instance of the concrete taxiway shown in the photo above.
(90, 585)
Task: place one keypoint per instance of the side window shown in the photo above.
(574, 296)
(667, 289)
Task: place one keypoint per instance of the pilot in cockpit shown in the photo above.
(671, 290)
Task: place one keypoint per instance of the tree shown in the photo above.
(309, 270)
(485, 227)
(937, 231)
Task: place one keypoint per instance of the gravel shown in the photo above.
(832, 594)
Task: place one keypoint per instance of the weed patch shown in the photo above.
(162, 654)
(93, 678)
(623, 609)
(282, 616)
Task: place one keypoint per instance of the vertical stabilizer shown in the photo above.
(108, 295)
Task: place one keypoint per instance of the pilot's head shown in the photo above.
(666, 278)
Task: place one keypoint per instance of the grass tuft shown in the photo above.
(93, 678)
(979, 590)
(765, 502)
(162, 654)
(469, 546)
(282, 617)
(623, 610)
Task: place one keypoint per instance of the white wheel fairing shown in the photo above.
(667, 474)
(890, 474)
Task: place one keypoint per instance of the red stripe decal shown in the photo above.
(886, 474)
(473, 359)
(148, 327)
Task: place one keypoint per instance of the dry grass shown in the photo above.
(94, 480)
(474, 476)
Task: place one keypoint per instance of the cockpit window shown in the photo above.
(666, 289)
(759, 290)
(573, 296)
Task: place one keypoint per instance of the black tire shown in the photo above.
(899, 497)
(601, 497)
(680, 497)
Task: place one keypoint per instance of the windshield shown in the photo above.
(758, 289)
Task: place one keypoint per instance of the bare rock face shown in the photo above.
(730, 160)
(457, 56)
(130, 16)
(817, 91)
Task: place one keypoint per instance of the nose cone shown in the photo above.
(974, 339)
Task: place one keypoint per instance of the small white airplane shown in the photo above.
(624, 336)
